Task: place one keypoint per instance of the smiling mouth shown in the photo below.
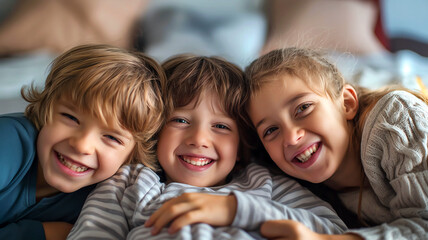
(199, 162)
(70, 165)
(303, 157)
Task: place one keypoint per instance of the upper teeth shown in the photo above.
(199, 162)
(71, 165)
(303, 157)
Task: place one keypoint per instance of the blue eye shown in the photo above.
(269, 131)
(221, 126)
(71, 117)
(179, 120)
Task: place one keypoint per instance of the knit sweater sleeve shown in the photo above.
(394, 153)
(287, 199)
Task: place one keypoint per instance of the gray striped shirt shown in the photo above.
(119, 206)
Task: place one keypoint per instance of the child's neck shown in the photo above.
(43, 189)
(348, 176)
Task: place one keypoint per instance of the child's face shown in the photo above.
(75, 150)
(199, 144)
(305, 133)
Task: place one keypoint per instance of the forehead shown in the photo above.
(280, 93)
(288, 84)
(207, 99)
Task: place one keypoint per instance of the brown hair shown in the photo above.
(189, 77)
(112, 84)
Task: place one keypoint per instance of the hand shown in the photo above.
(289, 229)
(56, 230)
(192, 208)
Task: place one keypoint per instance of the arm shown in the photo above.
(190, 208)
(17, 151)
(395, 152)
(289, 229)
(255, 191)
(289, 200)
(56, 230)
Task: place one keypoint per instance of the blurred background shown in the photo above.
(373, 42)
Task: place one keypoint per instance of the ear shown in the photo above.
(350, 101)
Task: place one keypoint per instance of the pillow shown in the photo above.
(336, 25)
(57, 25)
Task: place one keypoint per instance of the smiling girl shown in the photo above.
(369, 146)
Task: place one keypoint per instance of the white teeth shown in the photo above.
(71, 165)
(303, 157)
(198, 163)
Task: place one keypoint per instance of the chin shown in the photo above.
(64, 189)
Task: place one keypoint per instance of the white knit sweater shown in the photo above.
(394, 152)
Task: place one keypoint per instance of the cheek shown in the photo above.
(274, 150)
(165, 149)
(112, 162)
(230, 146)
(162, 157)
(44, 141)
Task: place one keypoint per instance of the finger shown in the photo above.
(188, 218)
(185, 197)
(158, 213)
(168, 214)
(164, 208)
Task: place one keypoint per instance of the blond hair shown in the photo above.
(308, 65)
(114, 85)
(313, 68)
(190, 76)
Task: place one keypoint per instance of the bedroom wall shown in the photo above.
(405, 23)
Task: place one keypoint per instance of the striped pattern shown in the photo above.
(119, 207)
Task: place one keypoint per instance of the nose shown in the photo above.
(83, 143)
(198, 137)
(292, 135)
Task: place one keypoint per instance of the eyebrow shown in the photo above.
(288, 102)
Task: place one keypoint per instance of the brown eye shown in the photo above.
(303, 107)
(269, 131)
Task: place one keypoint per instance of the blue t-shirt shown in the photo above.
(21, 216)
